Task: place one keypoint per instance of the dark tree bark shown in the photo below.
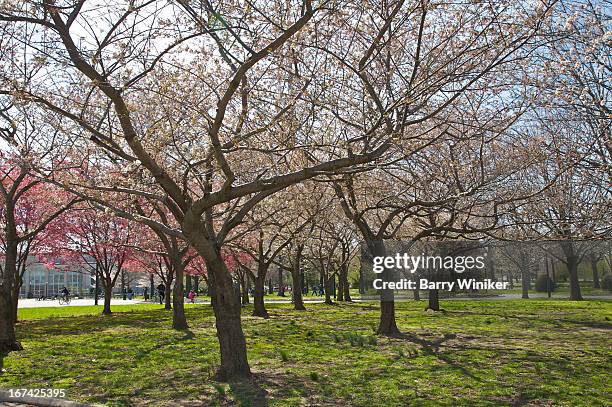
(416, 294)
(571, 260)
(329, 289)
(362, 282)
(108, 294)
(179, 320)
(434, 300)
(525, 283)
(21, 265)
(245, 283)
(387, 325)
(8, 340)
(188, 285)
(347, 291)
(167, 296)
(227, 307)
(15, 299)
(297, 279)
(123, 289)
(152, 286)
(259, 308)
(572, 268)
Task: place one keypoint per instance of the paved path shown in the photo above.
(515, 296)
(7, 400)
(32, 303)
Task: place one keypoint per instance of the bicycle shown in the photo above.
(64, 300)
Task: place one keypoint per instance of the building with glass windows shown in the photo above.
(40, 280)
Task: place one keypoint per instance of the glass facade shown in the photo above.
(39, 281)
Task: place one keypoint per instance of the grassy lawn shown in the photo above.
(514, 352)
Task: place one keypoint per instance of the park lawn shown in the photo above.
(511, 352)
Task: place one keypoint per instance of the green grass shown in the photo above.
(514, 352)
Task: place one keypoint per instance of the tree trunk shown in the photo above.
(434, 300)
(362, 282)
(108, 293)
(244, 283)
(8, 340)
(525, 283)
(328, 290)
(596, 283)
(347, 291)
(259, 309)
(298, 300)
(572, 268)
(179, 321)
(227, 307)
(188, 283)
(340, 288)
(387, 325)
(123, 289)
(167, 298)
(15, 300)
(416, 294)
(97, 285)
(152, 284)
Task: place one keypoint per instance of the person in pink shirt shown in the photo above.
(191, 296)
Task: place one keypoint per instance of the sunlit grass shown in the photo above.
(540, 352)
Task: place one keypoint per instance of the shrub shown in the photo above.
(541, 283)
(314, 376)
(606, 282)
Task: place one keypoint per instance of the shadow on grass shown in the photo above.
(189, 335)
(432, 347)
(75, 325)
(249, 392)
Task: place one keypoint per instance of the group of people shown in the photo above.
(318, 290)
(161, 291)
(161, 294)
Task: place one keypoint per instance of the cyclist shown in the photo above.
(65, 293)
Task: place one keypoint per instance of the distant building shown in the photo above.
(39, 280)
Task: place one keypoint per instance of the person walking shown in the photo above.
(161, 290)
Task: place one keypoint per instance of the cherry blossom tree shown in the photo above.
(107, 240)
(216, 112)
